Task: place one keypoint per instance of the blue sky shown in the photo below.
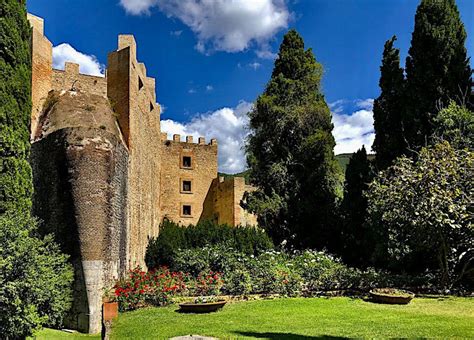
(211, 58)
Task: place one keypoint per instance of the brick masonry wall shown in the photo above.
(201, 175)
(132, 94)
(80, 180)
(42, 59)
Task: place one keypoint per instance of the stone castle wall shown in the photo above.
(42, 63)
(105, 176)
(70, 78)
(174, 171)
(132, 96)
(222, 203)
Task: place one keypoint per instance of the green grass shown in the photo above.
(52, 334)
(306, 318)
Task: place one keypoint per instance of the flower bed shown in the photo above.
(156, 287)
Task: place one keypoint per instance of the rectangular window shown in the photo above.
(187, 186)
(187, 162)
(186, 210)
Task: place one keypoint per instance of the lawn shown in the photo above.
(307, 318)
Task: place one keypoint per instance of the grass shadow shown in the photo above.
(278, 336)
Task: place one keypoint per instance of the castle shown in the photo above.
(105, 176)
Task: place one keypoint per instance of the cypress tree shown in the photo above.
(437, 68)
(35, 278)
(356, 239)
(290, 150)
(388, 108)
(15, 108)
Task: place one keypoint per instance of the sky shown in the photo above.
(212, 58)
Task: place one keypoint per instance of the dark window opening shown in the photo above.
(151, 107)
(186, 161)
(186, 210)
(140, 84)
(187, 186)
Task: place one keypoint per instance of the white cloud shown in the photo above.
(255, 65)
(191, 91)
(228, 125)
(223, 25)
(351, 131)
(266, 54)
(366, 104)
(137, 7)
(209, 88)
(88, 64)
(176, 33)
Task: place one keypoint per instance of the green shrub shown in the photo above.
(174, 238)
(274, 272)
(35, 279)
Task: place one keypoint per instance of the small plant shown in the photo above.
(206, 299)
(108, 295)
(50, 100)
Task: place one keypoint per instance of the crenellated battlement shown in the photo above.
(177, 138)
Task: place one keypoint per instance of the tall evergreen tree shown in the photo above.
(290, 150)
(357, 241)
(15, 108)
(388, 107)
(437, 68)
(35, 278)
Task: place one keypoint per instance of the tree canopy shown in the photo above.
(290, 150)
(437, 69)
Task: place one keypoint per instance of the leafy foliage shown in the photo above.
(173, 238)
(455, 124)
(437, 68)
(388, 107)
(35, 279)
(291, 274)
(290, 151)
(423, 211)
(15, 108)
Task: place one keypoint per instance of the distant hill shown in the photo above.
(244, 174)
(343, 160)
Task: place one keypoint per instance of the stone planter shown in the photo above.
(191, 307)
(391, 296)
(110, 310)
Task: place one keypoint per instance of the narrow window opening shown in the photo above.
(187, 186)
(151, 107)
(140, 84)
(186, 210)
(186, 161)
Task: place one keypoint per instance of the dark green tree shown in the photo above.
(15, 108)
(356, 239)
(437, 68)
(290, 151)
(388, 107)
(35, 278)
